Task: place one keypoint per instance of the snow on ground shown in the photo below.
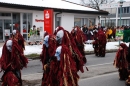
(36, 49)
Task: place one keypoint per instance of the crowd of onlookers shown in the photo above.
(109, 31)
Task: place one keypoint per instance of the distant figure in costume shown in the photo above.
(79, 39)
(102, 43)
(12, 62)
(128, 60)
(99, 44)
(47, 55)
(120, 61)
(63, 71)
(63, 37)
(19, 38)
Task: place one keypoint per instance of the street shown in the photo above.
(36, 65)
(111, 79)
(97, 66)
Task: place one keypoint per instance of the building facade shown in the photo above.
(113, 19)
(23, 16)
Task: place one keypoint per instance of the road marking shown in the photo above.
(99, 64)
(32, 74)
(98, 76)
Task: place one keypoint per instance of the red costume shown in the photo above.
(47, 55)
(120, 61)
(79, 39)
(100, 44)
(63, 70)
(70, 43)
(128, 60)
(12, 62)
(18, 37)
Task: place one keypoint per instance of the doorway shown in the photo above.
(5, 29)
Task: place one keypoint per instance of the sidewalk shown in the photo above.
(1, 44)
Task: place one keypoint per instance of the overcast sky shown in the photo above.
(78, 1)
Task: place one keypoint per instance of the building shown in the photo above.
(23, 14)
(113, 19)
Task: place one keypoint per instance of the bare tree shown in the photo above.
(95, 3)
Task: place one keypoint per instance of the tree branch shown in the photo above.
(96, 3)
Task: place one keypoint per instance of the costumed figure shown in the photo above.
(99, 44)
(64, 67)
(95, 42)
(19, 38)
(12, 62)
(79, 39)
(128, 60)
(102, 43)
(63, 37)
(47, 55)
(120, 61)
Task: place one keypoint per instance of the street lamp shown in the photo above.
(120, 4)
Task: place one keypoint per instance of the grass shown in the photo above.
(33, 56)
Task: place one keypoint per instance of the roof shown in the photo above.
(55, 4)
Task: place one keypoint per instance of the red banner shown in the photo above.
(48, 20)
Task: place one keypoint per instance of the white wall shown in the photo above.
(39, 16)
(67, 21)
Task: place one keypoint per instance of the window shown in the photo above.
(27, 24)
(127, 9)
(58, 22)
(82, 21)
(119, 10)
(86, 21)
(124, 8)
(92, 21)
(29, 21)
(102, 22)
(77, 22)
(16, 21)
(128, 22)
(5, 14)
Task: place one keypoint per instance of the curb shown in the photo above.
(107, 51)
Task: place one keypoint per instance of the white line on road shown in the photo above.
(32, 74)
(99, 64)
(98, 76)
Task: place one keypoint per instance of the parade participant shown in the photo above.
(102, 43)
(63, 70)
(57, 29)
(99, 44)
(79, 39)
(12, 62)
(95, 34)
(128, 60)
(120, 61)
(48, 51)
(63, 37)
(19, 38)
